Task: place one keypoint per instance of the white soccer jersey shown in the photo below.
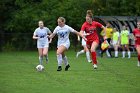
(63, 35)
(42, 34)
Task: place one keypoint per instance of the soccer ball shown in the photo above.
(39, 67)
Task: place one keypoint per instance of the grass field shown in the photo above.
(114, 75)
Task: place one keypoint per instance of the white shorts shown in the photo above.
(83, 42)
(67, 45)
(114, 42)
(42, 44)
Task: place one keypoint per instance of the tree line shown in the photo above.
(19, 18)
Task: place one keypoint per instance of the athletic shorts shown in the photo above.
(89, 43)
(114, 42)
(42, 44)
(67, 45)
(83, 42)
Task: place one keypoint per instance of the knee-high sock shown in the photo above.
(59, 60)
(129, 54)
(46, 56)
(123, 53)
(116, 53)
(94, 59)
(139, 58)
(65, 60)
(40, 60)
(88, 56)
(81, 52)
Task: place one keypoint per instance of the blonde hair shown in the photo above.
(63, 19)
(89, 13)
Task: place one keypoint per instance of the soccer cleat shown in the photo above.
(59, 68)
(77, 54)
(67, 67)
(89, 61)
(95, 66)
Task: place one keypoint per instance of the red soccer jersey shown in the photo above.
(91, 30)
(136, 33)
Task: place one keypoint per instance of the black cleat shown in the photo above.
(59, 68)
(67, 67)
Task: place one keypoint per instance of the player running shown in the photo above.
(63, 44)
(41, 34)
(136, 33)
(85, 50)
(90, 28)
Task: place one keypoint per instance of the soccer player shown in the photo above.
(107, 36)
(41, 34)
(92, 42)
(136, 33)
(84, 50)
(63, 31)
(115, 41)
(124, 38)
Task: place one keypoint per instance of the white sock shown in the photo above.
(88, 56)
(40, 60)
(123, 54)
(108, 53)
(81, 52)
(129, 54)
(59, 60)
(65, 60)
(116, 53)
(138, 63)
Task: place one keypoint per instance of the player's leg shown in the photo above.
(60, 51)
(128, 51)
(87, 54)
(116, 50)
(108, 51)
(66, 63)
(45, 53)
(138, 51)
(40, 51)
(93, 53)
(123, 51)
(80, 52)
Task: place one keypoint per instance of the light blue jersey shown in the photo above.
(42, 34)
(63, 35)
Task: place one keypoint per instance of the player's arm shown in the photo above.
(80, 34)
(35, 36)
(104, 31)
(50, 39)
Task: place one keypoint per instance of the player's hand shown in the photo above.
(85, 39)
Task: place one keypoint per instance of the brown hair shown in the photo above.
(89, 13)
(63, 19)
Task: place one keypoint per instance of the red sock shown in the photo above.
(139, 58)
(93, 55)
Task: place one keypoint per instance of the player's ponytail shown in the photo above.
(89, 13)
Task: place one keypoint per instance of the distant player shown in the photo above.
(41, 34)
(90, 28)
(115, 41)
(63, 44)
(85, 50)
(107, 36)
(136, 33)
(124, 38)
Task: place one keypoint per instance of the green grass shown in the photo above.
(114, 75)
